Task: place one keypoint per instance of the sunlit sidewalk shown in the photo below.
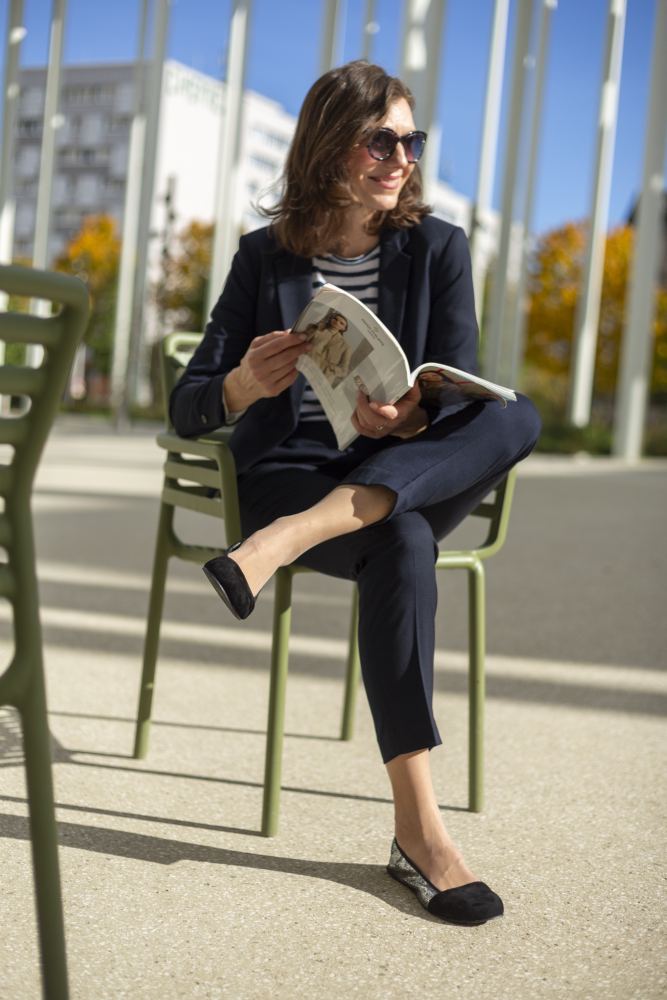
(169, 889)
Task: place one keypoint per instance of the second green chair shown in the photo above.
(23, 435)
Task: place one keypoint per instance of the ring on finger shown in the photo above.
(379, 427)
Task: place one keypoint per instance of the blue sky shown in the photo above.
(284, 60)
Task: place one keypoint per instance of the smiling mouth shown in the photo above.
(387, 182)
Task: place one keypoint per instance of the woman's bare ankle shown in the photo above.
(433, 851)
(263, 552)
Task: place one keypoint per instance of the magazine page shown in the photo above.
(443, 384)
(351, 351)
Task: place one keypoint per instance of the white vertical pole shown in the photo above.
(52, 121)
(371, 28)
(588, 307)
(420, 67)
(10, 95)
(489, 149)
(519, 321)
(494, 363)
(332, 28)
(128, 253)
(227, 201)
(136, 362)
(635, 360)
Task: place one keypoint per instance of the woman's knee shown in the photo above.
(519, 428)
(531, 421)
(405, 543)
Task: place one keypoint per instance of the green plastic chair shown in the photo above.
(200, 475)
(22, 683)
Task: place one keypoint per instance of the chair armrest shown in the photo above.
(215, 450)
(205, 447)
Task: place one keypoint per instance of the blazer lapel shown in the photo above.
(294, 277)
(395, 266)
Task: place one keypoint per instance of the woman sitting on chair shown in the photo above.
(351, 213)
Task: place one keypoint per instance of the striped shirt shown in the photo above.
(357, 275)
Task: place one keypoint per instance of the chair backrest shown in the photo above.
(22, 439)
(177, 349)
(42, 385)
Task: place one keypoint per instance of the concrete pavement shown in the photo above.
(169, 889)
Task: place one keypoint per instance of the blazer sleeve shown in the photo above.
(196, 405)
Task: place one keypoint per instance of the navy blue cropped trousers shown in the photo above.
(438, 477)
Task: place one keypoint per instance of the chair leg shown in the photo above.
(353, 673)
(476, 684)
(282, 614)
(39, 780)
(152, 639)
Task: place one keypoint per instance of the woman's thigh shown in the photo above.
(454, 459)
(273, 490)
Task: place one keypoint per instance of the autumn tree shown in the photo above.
(93, 255)
(555, 285)
(181, 292)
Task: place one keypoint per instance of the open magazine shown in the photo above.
(352, 350)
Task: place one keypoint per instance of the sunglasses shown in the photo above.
(384, 141)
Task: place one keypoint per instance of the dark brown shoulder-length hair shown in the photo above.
(339, 110)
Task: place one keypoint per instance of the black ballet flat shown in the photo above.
(467, 905)
(230, 584)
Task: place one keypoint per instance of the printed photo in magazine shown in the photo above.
(352, 350)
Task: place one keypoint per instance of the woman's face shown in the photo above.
(376, 184)
(338, 323)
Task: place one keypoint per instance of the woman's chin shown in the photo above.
(384, 201)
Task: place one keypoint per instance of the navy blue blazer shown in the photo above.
(425, 297)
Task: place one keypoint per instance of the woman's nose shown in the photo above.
(398, 156)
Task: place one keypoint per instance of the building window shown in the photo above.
(120, 123)
(92, 93)
(32, 101)
(26, 188)
(269, 138)
(263, 163)
(29, 161)
(30, 127)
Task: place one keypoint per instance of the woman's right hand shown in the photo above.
(265, 370)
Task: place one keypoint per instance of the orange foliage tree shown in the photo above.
(93, 255)
(181, 292)
(553, 291)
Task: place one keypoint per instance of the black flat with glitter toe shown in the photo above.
(467, 905)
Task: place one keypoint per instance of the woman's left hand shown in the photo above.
(404, 418)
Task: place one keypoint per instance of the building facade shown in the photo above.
(95, 112)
